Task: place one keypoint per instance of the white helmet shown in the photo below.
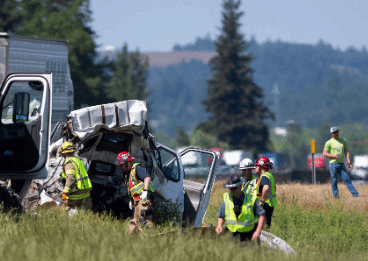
(334, 129)
(246, 164)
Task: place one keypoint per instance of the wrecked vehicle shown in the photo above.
(99, 133)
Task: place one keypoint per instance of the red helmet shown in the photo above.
(264, 162)
(123, 157)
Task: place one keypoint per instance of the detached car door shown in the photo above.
(26, 101)
(199, 176)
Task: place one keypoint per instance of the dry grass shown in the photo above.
(317, 196)
(308, 196)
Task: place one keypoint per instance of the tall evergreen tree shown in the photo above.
(235, 101)
(129, 78)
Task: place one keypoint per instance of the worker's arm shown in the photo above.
(329, 155)
(347, 155)
(221, 218)
(265, 191)
(143, 175)
(220, 223)
(256, 235)
(70, 178)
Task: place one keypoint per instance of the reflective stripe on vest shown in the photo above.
(248, 187)
(81, 176)
(135, 186)
(246, 220)
(271, 199)
(78, 196)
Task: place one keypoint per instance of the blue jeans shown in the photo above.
(339, 168)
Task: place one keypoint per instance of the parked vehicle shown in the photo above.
(278, 159)
(21, 54)
(320, 162)
(360, 167)
(220, 153)
(233, 157)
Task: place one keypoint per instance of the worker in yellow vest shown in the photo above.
(140, 190)
(265, 188)
(247, 166)
(242, 212)
(76, 192)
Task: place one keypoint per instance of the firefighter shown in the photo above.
(140, 190)
(265, 188)
(242, 212)
(76, 192)
(246, 166)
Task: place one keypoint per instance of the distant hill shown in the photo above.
(163, 59)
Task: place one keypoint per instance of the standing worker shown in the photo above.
(76, 192)
(335, 149)
(265, 188)
(140, 190)
(246, 166)
(242, 212)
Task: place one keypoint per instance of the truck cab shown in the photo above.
(26, 104)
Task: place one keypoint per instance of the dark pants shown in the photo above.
(244, 236)
(268, 215)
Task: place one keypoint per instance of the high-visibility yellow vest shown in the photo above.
(246, 220)
(271, 199)
(81, 176)
(135, 186)
(248, 187)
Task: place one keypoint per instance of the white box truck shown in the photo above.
(21, 54)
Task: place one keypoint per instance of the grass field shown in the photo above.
(307, 218)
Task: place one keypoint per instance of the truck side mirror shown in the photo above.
(21, 106)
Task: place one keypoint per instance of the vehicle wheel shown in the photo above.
(10, 200)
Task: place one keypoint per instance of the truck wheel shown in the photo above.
(10, 200)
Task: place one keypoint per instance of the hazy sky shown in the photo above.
(156, 25)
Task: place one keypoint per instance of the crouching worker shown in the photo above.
(140, 191)
(76, 192)
(242, 213)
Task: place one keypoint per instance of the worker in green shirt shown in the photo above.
(335, 149)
